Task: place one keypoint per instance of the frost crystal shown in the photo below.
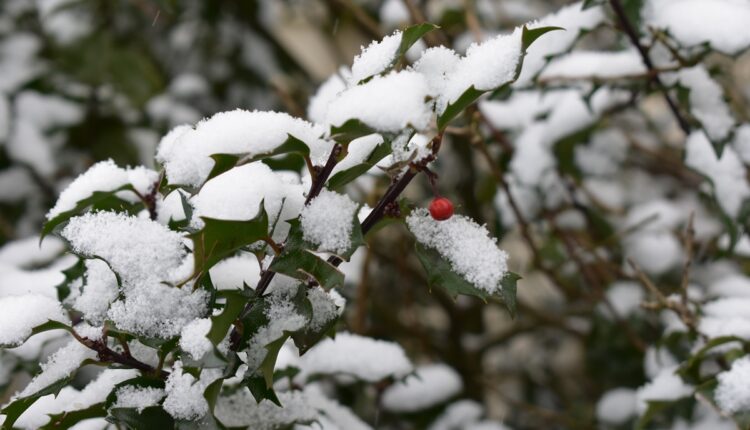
(469, 248)
(327, 222)
(376, 58)
(104, 176)
(20, 314)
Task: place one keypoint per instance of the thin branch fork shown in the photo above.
(632, 34)
(105, 354)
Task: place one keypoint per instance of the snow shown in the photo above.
(339, 416)
(158, 310)
(667, 385)
(17, 321)
(722, 23)
(237, 194)
(706, 102)
(625, 297)
(104, 176)
(573, 18)
(241, 410)
(29, 252)
(437, 64)
(327, 222)
(467, 246)
(487, 65)
(457, 415)
(357, 152)
(61, 364)
(99, 291)
(376, 58)
(604, 155)
(185, 399)
(282, 317)
(349, 354)
(185, 152)
(317, 108)
(733, 285)
(741, 142)
(326, 306)
(138, 250)
(139, 398)
(385, 103)
(593, 64)
(430, 385)
(616, 406)
(231, 273)
(726, 173)
(193, 338)
(732, 394)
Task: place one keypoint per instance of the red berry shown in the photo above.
(441, 208)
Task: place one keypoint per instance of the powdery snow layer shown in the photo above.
(61, 364)
(429, 386)
(376, 58)
(104, 176)
(193, 338)
(599, 64)
(241, 410)
(100, 289)
(237, 194)
(20, 314)
(721, 23)
(357, 152)
(367, 359)
(185, 152)
(458, 414)
(467, 246)
(138, 250)
(386, 103)
(158, 310)
(726, 173)
(733, 392)
(139, 398)
(185, 399)
(29, 252)
(327, 221)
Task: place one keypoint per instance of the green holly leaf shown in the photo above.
(68, 419)
(337, 181)
(220, 324)
(411, 35)
(99, 200)
(508, 292)
(153, 417)
(350, 130)
(220, 238)
(307, 337)
(72, 273)
(440, 274)
(528, 36)
(224, 162)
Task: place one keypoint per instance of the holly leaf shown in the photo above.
(508, 292)
(221, 238)
(224, 162)
(471, 94)
(102, 200)
(440, 274)
(337, 181)
(153, 417)
(350, 130)
(68, 419)
(411, 35)
(71, 274)
(220, 324)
